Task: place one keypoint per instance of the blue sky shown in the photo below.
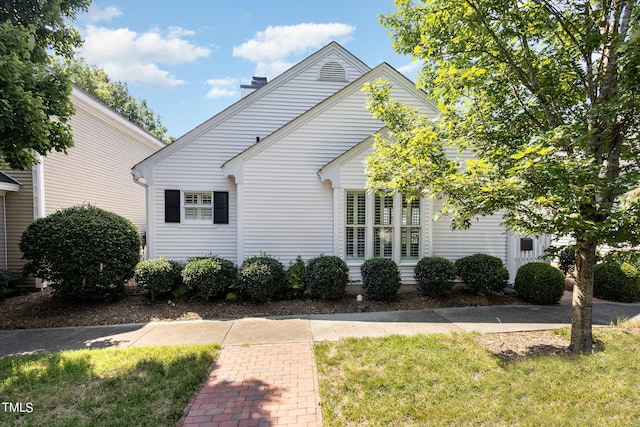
(189, 58)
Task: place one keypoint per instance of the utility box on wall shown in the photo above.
(526, 244)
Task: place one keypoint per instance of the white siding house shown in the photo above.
(95, 170)
(282, 172)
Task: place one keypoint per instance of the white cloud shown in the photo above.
(411, 68)
(270, 48)
(95, 14)
(222, 88)
(130, 56)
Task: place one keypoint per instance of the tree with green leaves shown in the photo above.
(34, 101)
(546, 96)
(115, 95)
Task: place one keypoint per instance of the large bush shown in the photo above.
(262, 278)
(616, 282)
(208, 277)
(159, 276)
(380, 278)
(482, 272)
(327, 277)
(539, 283)
(435, 276)
(620, 256)
(83, 252)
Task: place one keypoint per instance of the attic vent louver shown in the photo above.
(333, 72)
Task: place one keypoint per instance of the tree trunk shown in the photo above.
(582, 305)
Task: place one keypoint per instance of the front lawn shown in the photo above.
(145, 386)
(451, 380)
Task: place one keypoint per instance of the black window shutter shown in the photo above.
(221, 207)
(171, 205)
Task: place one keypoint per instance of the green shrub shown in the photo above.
(620, 256)
(539, 283)
(8, 283)
(296, 272)
(83, 252)
(482, 272)
(567, 261)
(380, 278)
(327, 277)
(262, 278)
(616, 282)
(207, 277)
(159, 277)
(435, 276)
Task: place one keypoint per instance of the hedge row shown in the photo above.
(259, 279)
(263, 278)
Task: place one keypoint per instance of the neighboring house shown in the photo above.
(281, 172)
(96, 170)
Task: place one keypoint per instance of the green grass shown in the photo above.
(450, 380)
(145, 386)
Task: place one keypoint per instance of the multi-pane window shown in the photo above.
(356, 224)
(410, 229)
(383, 226)
(198, 206)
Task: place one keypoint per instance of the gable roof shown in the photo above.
(99, 108)
(7, 183)
(383, 70)
(253, 97)
(331, 171)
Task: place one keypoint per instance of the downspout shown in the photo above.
(137, 179)
(39, 210)
(4, 223)
(39, 196)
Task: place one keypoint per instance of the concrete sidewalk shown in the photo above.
(265, 373)
(307, 328)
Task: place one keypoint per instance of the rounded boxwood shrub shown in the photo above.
(380, 278)
(263, 278)
(158, 276)
(327, 277)
(616, 282)
(482, 272)
(539, 283)
(208, 277)
(435, 276)
(83, 252)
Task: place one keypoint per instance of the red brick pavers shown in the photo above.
(259, 385)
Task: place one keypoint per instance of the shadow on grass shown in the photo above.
(144, 386)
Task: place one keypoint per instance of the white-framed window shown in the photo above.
(383, 226)
(197, 206)
(410, 229)
(356, 224)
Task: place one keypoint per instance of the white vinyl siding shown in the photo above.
(486, 235)
(199, 155)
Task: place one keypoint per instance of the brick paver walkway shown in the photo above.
(259, 385)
